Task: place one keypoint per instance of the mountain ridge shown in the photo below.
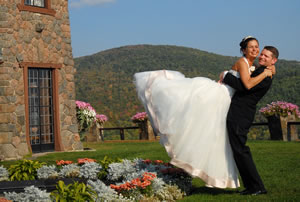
(104, 79)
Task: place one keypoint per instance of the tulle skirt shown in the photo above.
(189, 114)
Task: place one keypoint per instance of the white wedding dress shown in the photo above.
(189, 114)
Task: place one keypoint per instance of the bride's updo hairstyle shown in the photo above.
(245, 41)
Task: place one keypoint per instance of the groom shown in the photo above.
(240, 117)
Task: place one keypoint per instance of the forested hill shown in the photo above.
(105, 79)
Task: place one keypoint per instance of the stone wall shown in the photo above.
(36, 38)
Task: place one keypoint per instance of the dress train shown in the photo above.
(189, 114)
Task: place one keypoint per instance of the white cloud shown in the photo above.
(80, 3)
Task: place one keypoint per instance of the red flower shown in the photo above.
(147, 161)
(62, 162)
(145, 184)
(135, 183)
(158, 162)
(85, 160)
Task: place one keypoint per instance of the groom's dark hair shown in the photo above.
(274, 51)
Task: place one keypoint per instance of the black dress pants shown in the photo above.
(242, 156)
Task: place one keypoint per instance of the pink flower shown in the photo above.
(84, 105)
(101, 118)
(140, 116)
(280, 108)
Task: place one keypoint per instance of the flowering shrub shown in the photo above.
(140, 116)
(87, 116)
(280, 108)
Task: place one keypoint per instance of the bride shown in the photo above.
(189, 114)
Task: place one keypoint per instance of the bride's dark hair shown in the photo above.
(245, 41)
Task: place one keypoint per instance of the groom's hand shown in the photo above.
(268, 72)
(272, 68)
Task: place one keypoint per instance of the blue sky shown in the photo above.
(215, 26)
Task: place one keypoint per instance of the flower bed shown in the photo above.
(108, 180)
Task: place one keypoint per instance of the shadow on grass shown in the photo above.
(212, 191)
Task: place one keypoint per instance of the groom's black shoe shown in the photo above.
(244, 192)
(259, 192)
(253, 192)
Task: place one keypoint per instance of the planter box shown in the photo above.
(48, 184)
(146, 132)
(275, 129)
(278, 128)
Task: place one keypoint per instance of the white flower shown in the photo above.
(252, 68)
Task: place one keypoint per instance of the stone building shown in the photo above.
(37, 90)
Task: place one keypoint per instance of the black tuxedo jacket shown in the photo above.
(243, 104)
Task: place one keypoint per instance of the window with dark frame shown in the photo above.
(37, 6)
(37, 3)
(40, 99)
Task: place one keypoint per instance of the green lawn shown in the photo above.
(278, 164)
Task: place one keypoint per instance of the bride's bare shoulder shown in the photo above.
(238, 63)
